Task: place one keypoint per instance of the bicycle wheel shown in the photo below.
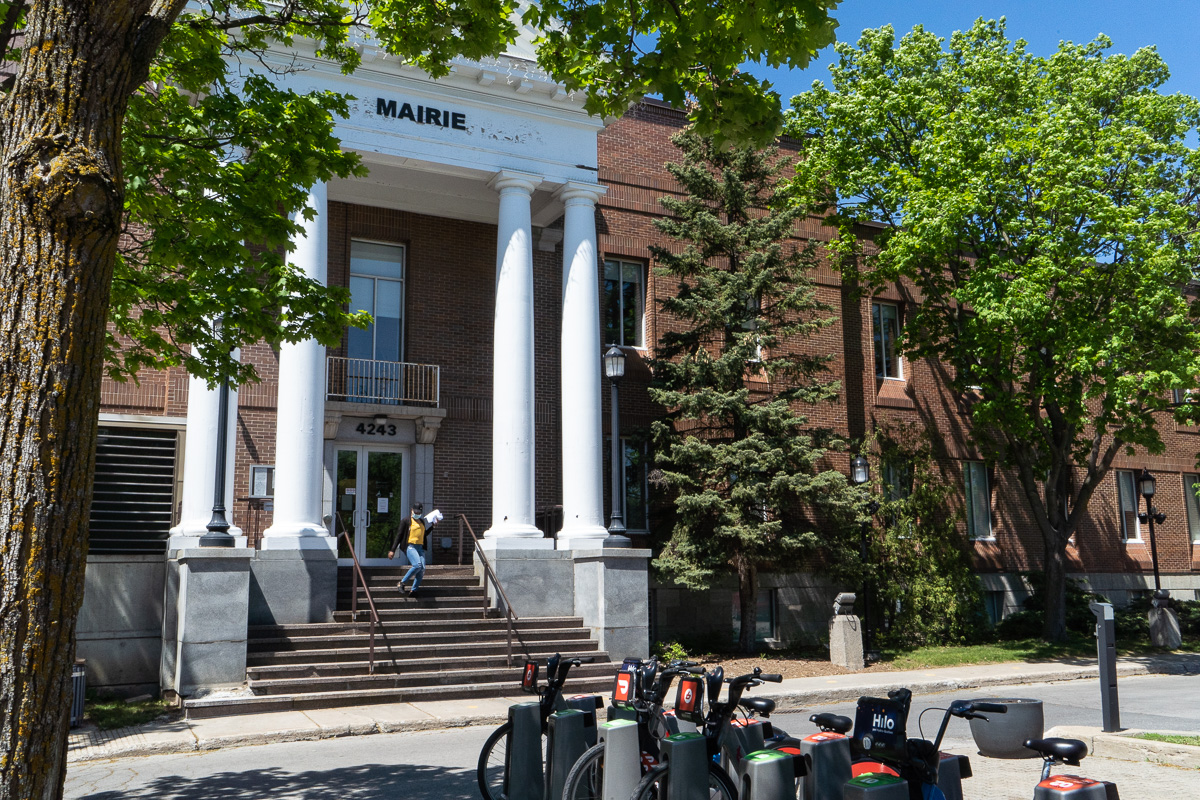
(654, 784)
(490, 772)
(585, 781)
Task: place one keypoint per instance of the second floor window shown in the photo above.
(1127, 501)
(979, 500)
(885, 326)
(377, 287)
(624, 302)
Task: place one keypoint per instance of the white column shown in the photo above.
(299, 427)
(512, 363)
(582, 439)
(200, 461)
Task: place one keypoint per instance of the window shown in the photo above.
(1127, 501)
(133, 490)
(377, 287)
(897, 480)
(979, 500)
(624, 302)
(885, 323)
(764, 616)
(1191, 484)
(634, 476)
(262, 480)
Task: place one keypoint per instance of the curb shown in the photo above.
(1124, 747)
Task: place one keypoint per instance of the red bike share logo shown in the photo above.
(624, 687)
(530, 676)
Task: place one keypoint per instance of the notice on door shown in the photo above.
(382, 505)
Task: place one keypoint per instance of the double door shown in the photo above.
(370, 498)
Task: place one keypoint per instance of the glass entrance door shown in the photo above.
(371, 499)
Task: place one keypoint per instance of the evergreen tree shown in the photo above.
(744, 469)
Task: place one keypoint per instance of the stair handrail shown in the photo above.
(509, 615)
(356, 575)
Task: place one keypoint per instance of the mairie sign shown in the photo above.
(422, 115)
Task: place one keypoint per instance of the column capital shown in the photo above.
(580, 193)
(507, 180)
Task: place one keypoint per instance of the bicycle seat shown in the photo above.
(832, 722)
(1068, 751)
(759, 705)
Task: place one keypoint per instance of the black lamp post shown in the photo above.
(1146, 486)
(614, 368)
(217, 534)
(860, 475)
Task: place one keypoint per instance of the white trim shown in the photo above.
(130, 420)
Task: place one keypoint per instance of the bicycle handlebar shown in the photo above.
(991, 708)
(771, 677)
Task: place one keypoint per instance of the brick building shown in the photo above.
(479, 391)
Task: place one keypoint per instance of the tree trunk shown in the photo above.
(748, 596)
(62, 193)
(1055, 627)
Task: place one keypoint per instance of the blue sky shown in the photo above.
(1173, 26)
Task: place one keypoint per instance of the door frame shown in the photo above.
(361, 478)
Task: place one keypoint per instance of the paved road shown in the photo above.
(439, 765)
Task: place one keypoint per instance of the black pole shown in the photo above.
(868, 651)
(1150, 514)
(616, 523)
(218, 526)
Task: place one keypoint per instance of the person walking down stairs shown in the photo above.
(411, 532)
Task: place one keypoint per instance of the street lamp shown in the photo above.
(614, 369)
(860, 475)
(1146, 486)
(217, 534)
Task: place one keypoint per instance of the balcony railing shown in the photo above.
(363, 380)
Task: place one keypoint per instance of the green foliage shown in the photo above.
(671, 651)
(1030, 620)
(741, 463)
(1045, 209)
(108, 712)
(920, 565)
(1133, 620)
(1170, 738)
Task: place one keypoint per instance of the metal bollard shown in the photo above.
(1106, 651)
(523, 776)
(622, 758)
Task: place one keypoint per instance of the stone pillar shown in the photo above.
(582, 439)
(612, 595)
(200, 461)
(513, 511)
(299, 427)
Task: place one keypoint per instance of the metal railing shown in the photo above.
(364, 380)
(356, 575)
(509, 615)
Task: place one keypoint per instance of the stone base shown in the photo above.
(536, 580)
(183, 541)
(612, 596)
(306, 541)
(1164, 629)
(845, 642)
(205, 619)
(293, 586)
(568, 542)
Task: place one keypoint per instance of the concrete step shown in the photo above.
(396, 603)
(207, 708)
(427, 613)
(386, 651)
(405, 626)
(347, 669)
(383, 680)
(384, 640)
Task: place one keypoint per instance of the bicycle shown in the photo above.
(492, 771)
(639, 693)
(1055, 751)
(715, 726)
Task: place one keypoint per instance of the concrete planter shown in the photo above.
(1004, 735)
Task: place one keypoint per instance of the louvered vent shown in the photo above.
(134, 490)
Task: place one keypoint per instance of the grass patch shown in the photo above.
(1082, 647)
(108, 712)
(1194, 741)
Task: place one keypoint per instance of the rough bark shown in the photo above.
(61, 197)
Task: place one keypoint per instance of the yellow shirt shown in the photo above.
(416, 531)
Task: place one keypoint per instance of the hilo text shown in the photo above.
(422, 115)
(882, 722)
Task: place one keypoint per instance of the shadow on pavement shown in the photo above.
(363, 782)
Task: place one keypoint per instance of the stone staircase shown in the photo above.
(438, 646)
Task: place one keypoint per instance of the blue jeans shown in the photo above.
(416, 557)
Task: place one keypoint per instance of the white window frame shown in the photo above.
(877, 317)
(1190, 479)
(642, 270)
(1130, 480)
(270, 471)
(970, 486)
(402, 280)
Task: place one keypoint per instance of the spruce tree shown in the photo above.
(742, 465)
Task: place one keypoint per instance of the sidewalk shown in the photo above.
(181, 736)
